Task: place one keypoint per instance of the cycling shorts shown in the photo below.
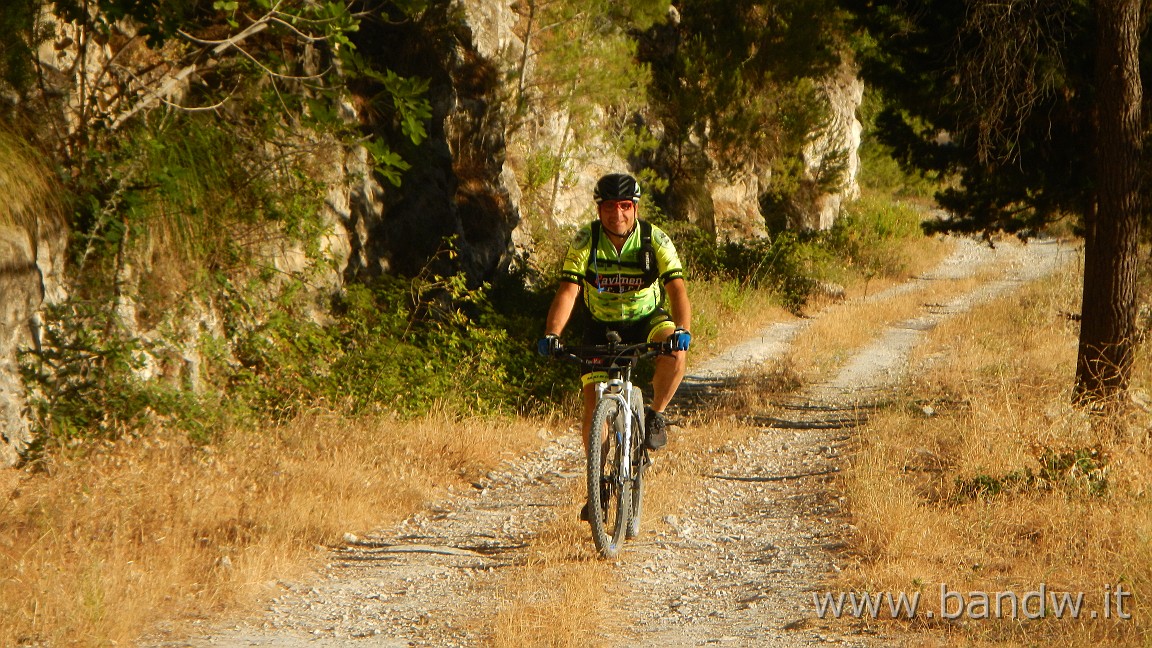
(645, 329)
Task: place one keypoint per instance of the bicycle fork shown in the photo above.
(620, 390)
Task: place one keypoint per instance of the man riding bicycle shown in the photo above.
(627, 269)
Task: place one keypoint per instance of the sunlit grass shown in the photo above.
(971, 481)
(93, 551)
(31, 192)
(726, 312)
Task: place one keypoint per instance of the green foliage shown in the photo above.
(866, 241)
(87, 381)
(400, 345)
(789, 264)
(867, 236)
(880, 171)
(192, 197)
(736, 65)
(396, 345)
(988, 486)
(1079, 471)
(389, 164)
(584, 67)
(736, 87)
(405, 96)
(283, 63)
(1007, 109)
(24, 35)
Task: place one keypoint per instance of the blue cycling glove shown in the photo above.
(680, 340)
(548, 345)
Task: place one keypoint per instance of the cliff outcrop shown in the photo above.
(33, 238)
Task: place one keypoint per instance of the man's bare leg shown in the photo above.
(666, 378)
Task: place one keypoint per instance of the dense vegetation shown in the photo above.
(184, 202)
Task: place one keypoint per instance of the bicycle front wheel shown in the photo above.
(609, 494)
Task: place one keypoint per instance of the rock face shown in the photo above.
(830, 178)
(458, 186)
(31, 276)
(736, 207)
(838, 142)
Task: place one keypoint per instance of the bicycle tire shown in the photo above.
(639, 462)
(609, 495)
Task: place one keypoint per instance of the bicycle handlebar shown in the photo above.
(613, 351)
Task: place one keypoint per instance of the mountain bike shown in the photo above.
(617, 457)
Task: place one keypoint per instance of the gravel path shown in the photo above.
(736, 567)
(740, 565)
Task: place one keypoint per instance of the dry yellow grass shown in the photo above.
(830, 341)
(562, 596)
(94, 551)
(30, 189)
(726, 312)
(984, 495)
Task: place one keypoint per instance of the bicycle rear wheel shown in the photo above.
(609, 494)
(640, 462)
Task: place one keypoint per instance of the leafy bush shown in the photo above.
(869, 236)
(1081, 471)
(402, 345)
(868, 240)
(783, 263)
(88, 380)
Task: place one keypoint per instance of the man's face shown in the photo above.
(618, 216)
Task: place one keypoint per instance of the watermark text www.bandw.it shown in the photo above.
(1112, 602)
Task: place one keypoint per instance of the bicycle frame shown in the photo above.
(619, 389)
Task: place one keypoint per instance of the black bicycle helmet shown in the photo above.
(617, 186)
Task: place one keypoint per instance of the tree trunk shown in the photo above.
(1108, 315)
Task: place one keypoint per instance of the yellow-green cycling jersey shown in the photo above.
(615, 288)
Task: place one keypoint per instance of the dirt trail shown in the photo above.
(741, 563)
(736, 566)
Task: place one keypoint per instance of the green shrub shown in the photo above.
(402, 345)
(1080, 471)
(86, 381)
(789, 264)
(868, 240)
(869, 236)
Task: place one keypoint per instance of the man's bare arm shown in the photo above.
(678, 303)
(561, 310)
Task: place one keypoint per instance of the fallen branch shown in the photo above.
(775, 478)
(168, 86)
(432, 549)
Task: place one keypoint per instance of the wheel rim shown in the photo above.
(609, 495)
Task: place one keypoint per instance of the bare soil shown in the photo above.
(737, 565)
